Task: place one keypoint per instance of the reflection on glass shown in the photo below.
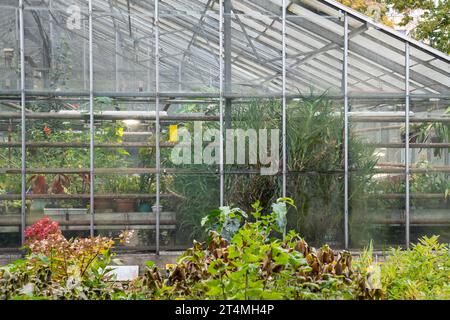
(186, 199)
(320, 207)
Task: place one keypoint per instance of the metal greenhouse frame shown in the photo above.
(222, 52)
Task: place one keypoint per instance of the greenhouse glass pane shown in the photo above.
(315, 159)
(315, 127)
(190, 136)
(430, 168)
(314, 48)
(376, 61)
(57, 161)
(10, 178)
(319, 198)
(56, 46)
(243, 189)
(10, 207)
(123, 201)
(189, 42)
(186, 199)
(377, 172)
(252, 49)
(10, 134)
(253, 135)
(436, 73)
(124, 134)
(123, 47)
(10, 52)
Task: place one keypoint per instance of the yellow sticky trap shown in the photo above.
(173, 133)
(170, 266)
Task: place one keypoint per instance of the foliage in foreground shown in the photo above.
(57, 268)
(248, 262)
(240, 260)
(423, 272)
(247, 256)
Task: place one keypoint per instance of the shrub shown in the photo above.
(421, 272)
(255, 259)
(58, 268)
(246, 256)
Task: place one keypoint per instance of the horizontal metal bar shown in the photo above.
(81, 170)
(11, 220)
(196, 117)
(385, 196)
(117, 116)
(444, 119)
(209, 95)
(394, 196)
(376, 129)
(213, 171)
(414, 220)
(414, 170)
(84, 145)
(13, 196)
(411, 145)
(100, 171)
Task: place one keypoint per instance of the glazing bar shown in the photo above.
(22, 120)
(91, 123)
(157, 129)
(407, 164)
(346, 131)
(221, 90)
(283, 36)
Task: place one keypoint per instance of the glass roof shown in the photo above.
(124, 42)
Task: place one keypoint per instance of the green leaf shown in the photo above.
(272, 295)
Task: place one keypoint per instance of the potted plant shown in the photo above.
(146, 185)
(103, 186)
(103, 205)
(123, 185)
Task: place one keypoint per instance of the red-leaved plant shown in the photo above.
(41, 230)
(69, 258)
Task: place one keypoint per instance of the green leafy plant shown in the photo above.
(226, 221)
(253, 263)
(421, 272)
(58, 268)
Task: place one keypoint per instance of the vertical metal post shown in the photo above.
(221, 62)
(84, 57)
(22, 122)
(227, 33)
(158, 165)
(284, 120)
(116, 61)
(346, 131)
(91, 123)
(407, 164)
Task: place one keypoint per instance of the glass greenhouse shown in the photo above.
(116, 114)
